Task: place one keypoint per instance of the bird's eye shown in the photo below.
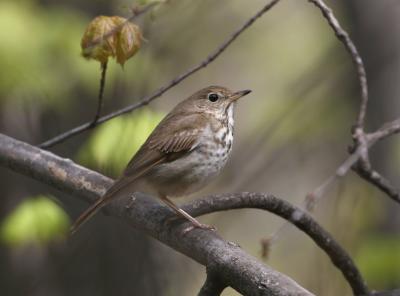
(213, 97)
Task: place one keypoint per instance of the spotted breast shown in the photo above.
(203, 163)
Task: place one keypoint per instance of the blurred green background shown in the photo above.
(291, 133)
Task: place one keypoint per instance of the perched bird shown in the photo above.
(187, 149)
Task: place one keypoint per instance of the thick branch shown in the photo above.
(213, 286)
(146, 100)
(236, 268)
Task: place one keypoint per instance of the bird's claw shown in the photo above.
(192, 226)
(199, 225)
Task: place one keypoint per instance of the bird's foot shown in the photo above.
(194, 224)
(198, 225)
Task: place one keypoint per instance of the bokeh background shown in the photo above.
(291, 133)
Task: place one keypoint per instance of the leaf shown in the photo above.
(97, 42)
(114, 143)
(35, 220)
(129, 41)
(111, 36)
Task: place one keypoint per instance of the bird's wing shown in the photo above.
(173, 137)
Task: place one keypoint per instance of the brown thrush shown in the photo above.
(185, 151)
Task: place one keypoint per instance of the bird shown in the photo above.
(185, 152)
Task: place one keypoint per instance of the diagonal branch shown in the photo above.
(379, 181)
(146, 100)
(235, 267)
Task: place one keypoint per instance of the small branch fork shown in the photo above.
(146, 100)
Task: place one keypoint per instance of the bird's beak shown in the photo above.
(237, 95)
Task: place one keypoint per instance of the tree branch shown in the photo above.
(373, 177)
(101, 92)
(386, 130)
(146, 100)
(358, 159)
(362, 140)
(235, 267)
(213, 286)
(294, 215)
(343, 36)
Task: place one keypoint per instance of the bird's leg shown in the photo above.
(185, 215)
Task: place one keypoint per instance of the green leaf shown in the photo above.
(35, 220)
(114, 143)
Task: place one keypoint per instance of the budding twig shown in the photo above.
(101, 93)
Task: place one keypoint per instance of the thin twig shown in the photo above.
(313, 197)
(343, 36)
(351, 162)
(386, 130)
(366, 172)
(363, 141)
(361, 149)
(146, 100)
(137, 11)
(101, 92)
(379, 181)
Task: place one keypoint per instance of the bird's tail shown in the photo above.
(113, 192)
(93, 209)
